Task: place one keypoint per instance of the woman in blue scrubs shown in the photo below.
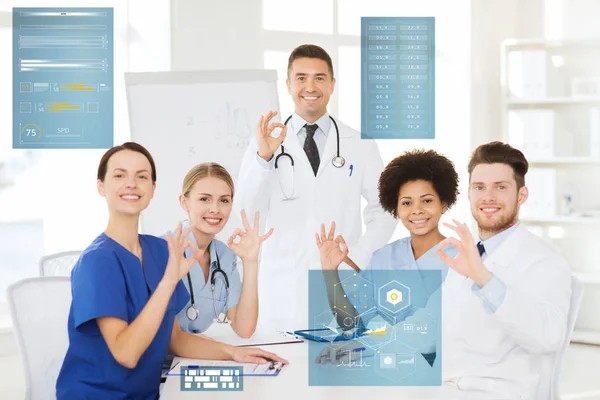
(416, 187)
(207, 197)
(127, 292)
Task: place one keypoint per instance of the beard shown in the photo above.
(499, 224)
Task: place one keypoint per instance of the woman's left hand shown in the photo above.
(255, 355)
(249, 245)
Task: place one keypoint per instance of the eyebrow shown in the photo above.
(305, 74)
(208, 194)
(137, 172)
(495, 183)
(423, 195)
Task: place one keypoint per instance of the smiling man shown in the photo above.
(506, 298)
(314, 171)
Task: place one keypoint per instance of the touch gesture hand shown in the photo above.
(468, 261)
(249, 245)
(267, 144)
(332, 252)
(178, 266)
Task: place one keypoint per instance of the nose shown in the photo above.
(417, 209)
(131, 182)
(489, 195)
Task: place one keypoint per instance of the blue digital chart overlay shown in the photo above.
(63, 78)
(395, 319)
(398, 78)
(198, 378)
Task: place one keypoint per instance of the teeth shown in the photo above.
(212, 220)
(490, 209)
(310, 98)
(130, 197)
(419, 221)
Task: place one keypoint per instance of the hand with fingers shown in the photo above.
(267, 144)
(332, 252)
(468, 261)
(177, 265)
(249, 245)
(255, 356)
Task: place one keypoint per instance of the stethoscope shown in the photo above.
(192, 312)
(338, 161)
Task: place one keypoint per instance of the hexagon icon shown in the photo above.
(358, 291)
(394, 297)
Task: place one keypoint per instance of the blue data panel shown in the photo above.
(398, 78)
(392, 322)
(63, 78)
(212, 379)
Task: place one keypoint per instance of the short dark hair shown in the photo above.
(415, 165)
(310, 51)
(125, 146)
(501, 153)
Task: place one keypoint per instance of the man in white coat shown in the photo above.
(505, 300)
(332, 169)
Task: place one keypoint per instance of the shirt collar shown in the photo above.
(491, 244)
(298, 123)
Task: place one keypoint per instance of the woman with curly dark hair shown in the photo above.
(416, 187)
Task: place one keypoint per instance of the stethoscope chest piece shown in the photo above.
(338, 161)
(192, 313)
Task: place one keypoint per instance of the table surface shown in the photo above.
(292, 382)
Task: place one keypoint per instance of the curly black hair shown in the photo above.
(414, 165)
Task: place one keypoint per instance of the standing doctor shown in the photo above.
(316, 170)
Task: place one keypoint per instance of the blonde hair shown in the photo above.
(205, 170)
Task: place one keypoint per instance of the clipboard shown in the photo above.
(326, 335)
(271, 368)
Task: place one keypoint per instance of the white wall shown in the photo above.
(209, 35)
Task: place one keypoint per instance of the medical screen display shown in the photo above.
(397, 79)
(62, 78)
(398, 315)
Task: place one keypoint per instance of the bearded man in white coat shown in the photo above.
(506, 298)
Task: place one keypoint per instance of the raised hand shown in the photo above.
(468, 261)
(249, 245)
(255, 356)
(268, 145)
(332, 252)
(177, 265)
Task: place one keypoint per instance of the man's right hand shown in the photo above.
(268, 145)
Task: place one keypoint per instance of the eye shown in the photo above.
(225, 200)
(143, 177)
(118, 175)
(427, 200)
(405, 203)
(203, 199)
(320, 78)
(300, 78)
(501, 187)
(478, 187)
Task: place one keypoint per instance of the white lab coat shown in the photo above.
(333, 195)
(511, 352)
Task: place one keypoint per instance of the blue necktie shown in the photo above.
(310, 147)
(480, 248)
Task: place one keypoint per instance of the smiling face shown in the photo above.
(208, 205)
(310, 84)
(127, 185)
(495, 199)
(419, 207)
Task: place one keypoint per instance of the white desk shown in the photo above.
(292, 384)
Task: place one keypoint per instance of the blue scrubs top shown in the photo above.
(203, 295)
(398, 255)
(108, 281)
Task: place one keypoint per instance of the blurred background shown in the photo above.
(522, 71)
